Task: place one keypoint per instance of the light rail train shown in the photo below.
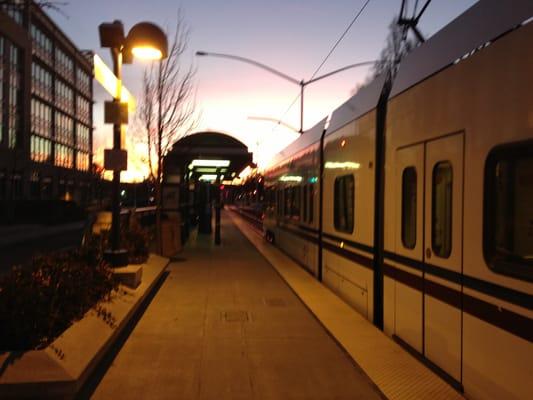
(414, 201)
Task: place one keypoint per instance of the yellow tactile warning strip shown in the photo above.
(396, 373)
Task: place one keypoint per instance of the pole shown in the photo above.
(116, 256)
(217, 210)
(115, 224)
(302, 85)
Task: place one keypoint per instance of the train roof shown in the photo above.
(308, 138)
(365, 100)
(484, 21)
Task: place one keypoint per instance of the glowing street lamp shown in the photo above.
(144, 40)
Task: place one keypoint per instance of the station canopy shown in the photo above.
(206, 155)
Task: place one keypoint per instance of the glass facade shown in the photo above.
(14, 96)
(53, 126)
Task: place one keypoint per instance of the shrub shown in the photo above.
(133, 238)
(38, 303)
(137, 241)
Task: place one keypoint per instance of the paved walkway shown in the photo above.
(224, 325)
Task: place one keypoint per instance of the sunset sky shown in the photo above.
(292, 36)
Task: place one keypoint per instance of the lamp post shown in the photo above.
(302, 83)
(144, 40)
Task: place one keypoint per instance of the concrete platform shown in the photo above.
(224, 325)
(395, 372)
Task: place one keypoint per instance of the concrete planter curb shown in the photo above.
(62, 368)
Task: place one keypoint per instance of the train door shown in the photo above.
(443, 241)
(410, 243)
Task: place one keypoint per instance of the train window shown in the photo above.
(305, 203)
(508, 214)
(286, 202)
(311, 193)
(344, 203)
(295, 209)
(409, 207)
(441, 221)
(279, 203)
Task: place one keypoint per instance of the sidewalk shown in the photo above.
(224, 325)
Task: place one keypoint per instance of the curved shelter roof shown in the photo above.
(208, 146)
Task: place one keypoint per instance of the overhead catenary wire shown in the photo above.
(355, 18)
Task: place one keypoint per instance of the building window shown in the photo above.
(83, 109)
(41, 118)
(40, 149)
(14, 9)
(409, 207)
(64, 96)
(41, 81)
(64, 65)
(82, 137)
(64, 156)
(16, 186)
(508, 211)
(83, 81)
(82, 161)
(35, 186)
(46, 188)
(14, 95)
(441, 223)
(42, 45)
(64, 132)
(344, 203)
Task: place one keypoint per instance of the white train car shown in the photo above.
(292, 193)
(459, 202)
(424, 219)
(348, 208)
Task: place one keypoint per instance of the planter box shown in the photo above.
(60, 369)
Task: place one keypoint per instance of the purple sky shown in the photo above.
(292, 36)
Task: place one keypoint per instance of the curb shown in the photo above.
(62, 368)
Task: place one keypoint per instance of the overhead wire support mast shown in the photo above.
(413, 21)
(302, 83)
(324, 61)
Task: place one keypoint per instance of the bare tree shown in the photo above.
(397, 46)
(167, 108)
